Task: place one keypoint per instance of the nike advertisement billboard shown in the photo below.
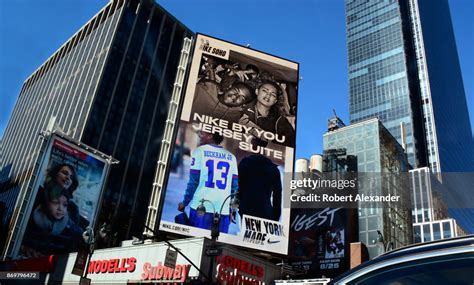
(236, 139)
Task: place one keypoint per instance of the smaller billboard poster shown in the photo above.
(236, 137)
(65, 199)
(320, 240)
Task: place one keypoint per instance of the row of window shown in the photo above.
(433, 231)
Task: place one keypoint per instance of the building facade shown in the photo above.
(431, 219)
(109, 87)
(147, 263)
(436, 230)
(380, 163)
(404, 70)
(427, 202)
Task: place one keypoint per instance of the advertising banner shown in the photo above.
(66, 196)
(236, 135)
(320, 240)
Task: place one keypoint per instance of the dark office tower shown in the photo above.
(404, 69)
(109, 87)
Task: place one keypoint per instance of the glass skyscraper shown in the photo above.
(380, 162)
(109, 86)
(404, 70)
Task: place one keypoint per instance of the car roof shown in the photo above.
(414, 249)
(428, 246)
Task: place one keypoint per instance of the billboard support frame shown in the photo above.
(161, 173)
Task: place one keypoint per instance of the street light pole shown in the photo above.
(201, 210)
(216, 219)
(90, 239)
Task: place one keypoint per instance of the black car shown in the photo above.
(448, 261)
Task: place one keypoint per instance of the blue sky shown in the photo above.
(311, 32)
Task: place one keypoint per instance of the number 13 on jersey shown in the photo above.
(217, 174)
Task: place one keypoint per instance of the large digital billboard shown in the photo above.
(320, 240)
(66, 197)
(236, 135)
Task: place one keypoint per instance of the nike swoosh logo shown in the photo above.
(273, 241)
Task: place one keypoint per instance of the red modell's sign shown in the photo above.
(232, 271)
(115, 265)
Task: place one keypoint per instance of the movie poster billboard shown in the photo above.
(320, 240)
(236, 135)
(65, 199)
